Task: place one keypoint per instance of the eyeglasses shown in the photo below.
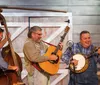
(38, 33)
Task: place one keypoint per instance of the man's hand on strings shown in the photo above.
(53, 57)
(75, 62)
(61, 45)
(13, 68)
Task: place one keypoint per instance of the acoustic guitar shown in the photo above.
(51, 67)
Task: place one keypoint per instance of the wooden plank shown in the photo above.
(34, 2)
(76, 10)
(75, 38)
(18, 24)
(84, 10)
(37, 14)
(86, 20)
(84, 2)
(90, 28)
(18, 32)
(41, 2)
(43, 19)
(63, 72)
(57, 8)
(49, 2)
(96, 38)
(5, 2)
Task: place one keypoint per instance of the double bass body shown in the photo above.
(13, 77)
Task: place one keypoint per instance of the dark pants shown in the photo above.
(82, 83)
(76, 79)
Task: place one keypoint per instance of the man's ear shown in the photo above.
(32, 34)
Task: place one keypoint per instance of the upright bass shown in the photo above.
(12, 58)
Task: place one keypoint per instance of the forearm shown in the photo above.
(39, 58)
(15, 68)
(66, 57)
(65, 60)
(10, 67)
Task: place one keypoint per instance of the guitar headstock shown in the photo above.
(67, 29)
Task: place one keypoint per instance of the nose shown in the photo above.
(1, 37)
(41, 36)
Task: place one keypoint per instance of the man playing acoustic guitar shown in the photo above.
(34, 50)
(82, 58)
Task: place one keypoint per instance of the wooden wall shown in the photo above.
(85, 14)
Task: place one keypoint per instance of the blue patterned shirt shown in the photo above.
(3, 64)
(75, 49)
(89, 76)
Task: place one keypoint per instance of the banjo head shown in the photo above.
(82, 63)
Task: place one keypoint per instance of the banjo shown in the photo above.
(83, 62)
(82, 65)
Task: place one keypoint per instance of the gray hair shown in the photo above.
(33, 29)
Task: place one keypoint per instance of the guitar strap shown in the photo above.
(36, 64)
(40, 70)
(48, 43)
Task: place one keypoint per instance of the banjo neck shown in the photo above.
(94, 50)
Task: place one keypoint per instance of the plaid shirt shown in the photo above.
(75, 49)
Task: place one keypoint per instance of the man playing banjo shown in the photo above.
(82, 60)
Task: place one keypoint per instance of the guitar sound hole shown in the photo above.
(54, 61)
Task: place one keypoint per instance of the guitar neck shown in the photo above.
(62, 39)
